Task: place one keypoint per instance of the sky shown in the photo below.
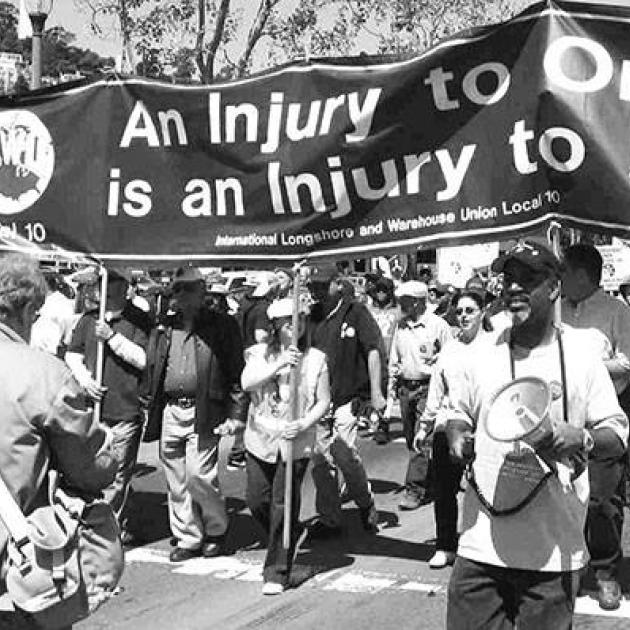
(64, 13)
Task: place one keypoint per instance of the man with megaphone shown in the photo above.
(522, 545)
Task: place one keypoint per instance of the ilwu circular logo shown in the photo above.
(27, 160)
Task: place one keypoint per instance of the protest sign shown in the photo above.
(483, 137)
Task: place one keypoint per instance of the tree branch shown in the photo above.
(262, 15)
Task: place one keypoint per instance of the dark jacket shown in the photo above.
(219, 358)
(347, 335)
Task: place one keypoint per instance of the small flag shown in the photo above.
(25, 28)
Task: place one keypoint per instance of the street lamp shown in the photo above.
(38, 11)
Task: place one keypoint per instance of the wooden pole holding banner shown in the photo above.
(553, 236)
(293, 388)
(100, 344)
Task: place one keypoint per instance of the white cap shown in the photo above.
(412, 288)
(284, 308)
(280, 308)
(262, 288)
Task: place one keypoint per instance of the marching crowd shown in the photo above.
(185, 367)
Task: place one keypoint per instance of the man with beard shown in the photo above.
(522, 545)
(353, 344)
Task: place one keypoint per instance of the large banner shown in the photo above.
(483, 137)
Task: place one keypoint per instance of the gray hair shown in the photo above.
(21, 283)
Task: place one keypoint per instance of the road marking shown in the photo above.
(147, 554)
(589, 606)
(230, 568)
(355, 582)
(419, 587)
(340, 580)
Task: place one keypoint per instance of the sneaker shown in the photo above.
(381, 435)
(272, 588)
(369, 518)
(410, 501)
(608, 594)
(235, 462)
(213, 547)
(441, 559)
(180, 554)
(319, 529)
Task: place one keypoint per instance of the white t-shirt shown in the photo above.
(270, 408)
(55, 323)
(547, 534)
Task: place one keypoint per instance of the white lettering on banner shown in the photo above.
(199, 200)
(306, 191)
(308, 239)
(438, 78)
(555, 65)
(223, 120)
(140, 126)
(136, 194)
(27, 160)
(471, 89)
(555, 70)
(525, 166)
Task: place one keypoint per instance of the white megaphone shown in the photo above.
(520, 411)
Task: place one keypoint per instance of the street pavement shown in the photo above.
(354, 582)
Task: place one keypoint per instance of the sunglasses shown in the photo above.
(469, 310)
(524, 277)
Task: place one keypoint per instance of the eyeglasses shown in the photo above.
(469, 310)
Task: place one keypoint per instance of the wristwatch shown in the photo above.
(587, 441)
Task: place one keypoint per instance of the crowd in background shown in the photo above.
(187, 361)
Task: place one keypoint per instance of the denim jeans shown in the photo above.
(196, 507)
(412, 403)
(126, 442)
(447, 477)
(265, 498)
(338, 447)
(486, 597)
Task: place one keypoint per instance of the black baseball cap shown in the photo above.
(533, 255)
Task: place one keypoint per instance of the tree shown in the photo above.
(223, 37)
(342, 27)
(9, 41)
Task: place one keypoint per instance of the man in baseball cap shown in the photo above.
(417, 341)
(413, 289)
(513, 533)
(531, 254)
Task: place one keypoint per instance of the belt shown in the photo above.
(413, 383)
(185, 402)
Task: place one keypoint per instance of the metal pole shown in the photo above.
(100, 344)
(293, 388)
(38, 20)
